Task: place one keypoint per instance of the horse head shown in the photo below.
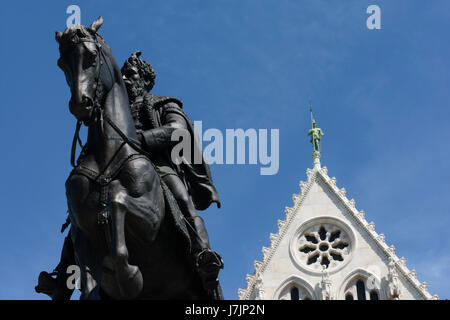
(84, 59)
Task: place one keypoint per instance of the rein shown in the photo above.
(76, 137)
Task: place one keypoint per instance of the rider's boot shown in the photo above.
(46, 283)
(55, 284)
(207, 262)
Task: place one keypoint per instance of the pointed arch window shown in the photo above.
(295, 290)
(374, 295)
(358, 289)
(361, 290)
(295, 295)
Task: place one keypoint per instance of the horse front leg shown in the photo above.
(129, 277)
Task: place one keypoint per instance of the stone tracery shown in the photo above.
(323, 245)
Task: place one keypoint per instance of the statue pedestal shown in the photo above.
(316, 159)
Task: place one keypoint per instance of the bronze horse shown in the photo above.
(125, 243)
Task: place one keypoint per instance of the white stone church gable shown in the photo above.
(325, 249)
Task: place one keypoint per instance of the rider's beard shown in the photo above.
(135, 90)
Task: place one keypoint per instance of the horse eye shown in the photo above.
(89, 59)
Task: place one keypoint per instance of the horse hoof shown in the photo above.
(131, 282)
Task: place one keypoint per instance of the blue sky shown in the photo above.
(379, 95)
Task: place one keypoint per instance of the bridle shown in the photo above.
(97, 111)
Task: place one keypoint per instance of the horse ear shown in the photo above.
(58, 35)
(96, 24)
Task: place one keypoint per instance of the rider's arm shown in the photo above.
(161, 137)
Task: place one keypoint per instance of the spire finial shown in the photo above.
(316, 134)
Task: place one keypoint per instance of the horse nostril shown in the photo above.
(81, 109)
(87, 102)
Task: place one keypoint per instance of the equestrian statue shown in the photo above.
(134, 228)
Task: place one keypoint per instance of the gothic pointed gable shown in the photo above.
(326, 249)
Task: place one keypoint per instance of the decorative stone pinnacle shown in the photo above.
(316, 159)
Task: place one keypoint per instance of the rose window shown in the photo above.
(323, 246)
